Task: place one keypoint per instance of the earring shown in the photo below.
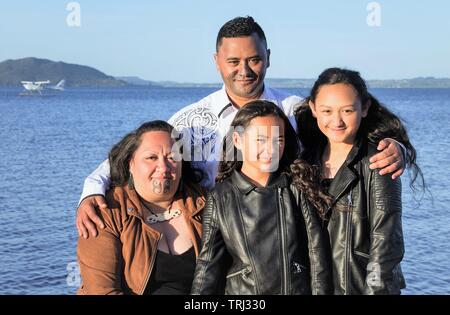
(131, 182)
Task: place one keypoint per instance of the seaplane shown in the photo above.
(37, 86)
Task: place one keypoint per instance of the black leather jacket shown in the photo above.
(366, 235)
(258, 241)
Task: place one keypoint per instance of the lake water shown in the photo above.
(49, 144)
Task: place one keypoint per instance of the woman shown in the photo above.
(338, 125)
(153, 227)
(260, 234)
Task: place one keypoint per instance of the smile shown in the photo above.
(246, 81)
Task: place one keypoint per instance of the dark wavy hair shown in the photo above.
(122, 153)
(303, 175)
(240, 27)
(379, 123)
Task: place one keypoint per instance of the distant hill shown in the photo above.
(422, 82)
(135, 81)
(34, 69)
(141, 82)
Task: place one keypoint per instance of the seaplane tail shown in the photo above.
(59, 86)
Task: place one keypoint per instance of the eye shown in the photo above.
(255, 60)
(151, 158)
(349, 110)
(233, 62)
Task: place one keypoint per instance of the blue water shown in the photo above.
(49, 144)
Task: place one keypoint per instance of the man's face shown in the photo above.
(242, 63)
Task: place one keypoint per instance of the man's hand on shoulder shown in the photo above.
(87, 218)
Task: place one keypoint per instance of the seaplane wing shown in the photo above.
(34, 86)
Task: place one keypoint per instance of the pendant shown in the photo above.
(165, 216)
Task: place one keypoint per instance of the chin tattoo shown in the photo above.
(161, 187)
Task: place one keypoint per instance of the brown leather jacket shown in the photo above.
(120, 259)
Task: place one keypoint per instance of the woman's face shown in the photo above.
(261, 144)
(155, 168)
(339, 111)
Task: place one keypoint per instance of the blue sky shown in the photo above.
(174, 39)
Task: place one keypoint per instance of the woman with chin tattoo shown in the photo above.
(153, 222)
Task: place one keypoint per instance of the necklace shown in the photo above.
(167, 215)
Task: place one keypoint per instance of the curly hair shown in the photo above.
(380, 122)
(303, 175)
(122, 153)
(240, 27)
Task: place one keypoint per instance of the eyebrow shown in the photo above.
(236, 58)
(264, 136)
(324, 105)
(153, 152)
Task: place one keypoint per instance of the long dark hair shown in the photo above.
(379, 123)
(303, 175)
(122, 153)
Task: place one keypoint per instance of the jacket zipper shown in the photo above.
(347, 236)
(152, 263)
(284, 289)
(244, 272)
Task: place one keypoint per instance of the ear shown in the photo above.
(237, 141)
(131, 166)
(365, 108)
(216, 62)
(268, 58)
(313, 108)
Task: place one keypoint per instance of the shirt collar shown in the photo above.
(224, 107)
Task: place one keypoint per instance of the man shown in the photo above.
(242, 58)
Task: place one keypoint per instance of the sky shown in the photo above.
(174, 40)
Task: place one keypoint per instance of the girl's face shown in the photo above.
(339, 111)
(261, 144)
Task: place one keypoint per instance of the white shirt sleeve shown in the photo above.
(97, 183)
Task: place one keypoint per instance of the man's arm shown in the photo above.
(97, 183)
(391, 159)
(93, 194)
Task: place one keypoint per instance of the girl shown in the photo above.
(260, 234)
(338, 124)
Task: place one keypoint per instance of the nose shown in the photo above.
(271, 148)
(337, 120)
(163, 165)
(245, 70)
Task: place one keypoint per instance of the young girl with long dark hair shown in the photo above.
(261, 234)
(338, 125)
